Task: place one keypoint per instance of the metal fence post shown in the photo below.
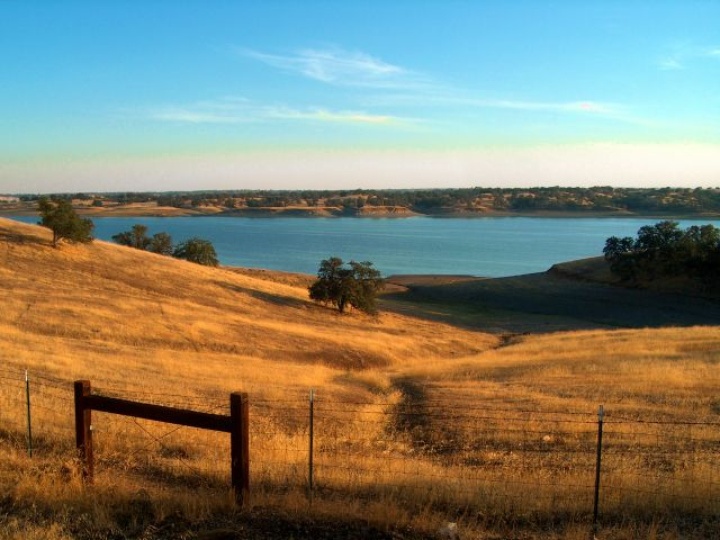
(29, 417)
(601, 416)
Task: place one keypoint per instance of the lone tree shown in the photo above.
(341, 286)
(58, 216)
(197, 250)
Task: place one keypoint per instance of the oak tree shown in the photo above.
(356, 285)
(59, 216)
(197, 250)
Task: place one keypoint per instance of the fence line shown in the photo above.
(485, 460)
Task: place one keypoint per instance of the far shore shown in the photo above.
(147, 210)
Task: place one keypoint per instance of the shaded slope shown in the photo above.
(546, 302)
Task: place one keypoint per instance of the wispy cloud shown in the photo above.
(589, 107)
(670, 64)
(240, 110)
(223, 111)
(453, 98)
(684, 55)
(324, 115)
(598, 109)
(398, 86)
(390, 87)
(342, 68)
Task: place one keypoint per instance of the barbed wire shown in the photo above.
(466, 444)
(438, 409)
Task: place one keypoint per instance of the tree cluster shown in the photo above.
(434, 201)
(355, 285)
(59, 216)
(137, 237)
(195, 249)
(665, 250)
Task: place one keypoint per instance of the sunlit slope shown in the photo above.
(112, 313)
(665, 373)
(402, 401)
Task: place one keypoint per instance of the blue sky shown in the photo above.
(166, 95)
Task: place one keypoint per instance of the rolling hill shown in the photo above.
(449, 405)
(85, 310)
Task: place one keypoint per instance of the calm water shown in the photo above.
(480, 246)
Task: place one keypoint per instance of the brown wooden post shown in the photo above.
(240, 446)
(83, 430)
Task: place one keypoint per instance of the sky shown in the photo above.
(203, 95)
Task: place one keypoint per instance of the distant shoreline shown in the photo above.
(130, 211)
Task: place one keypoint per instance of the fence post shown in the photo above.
(601, 415)
(29, 417)
(83, 429)
(240, 446)
(312, 442)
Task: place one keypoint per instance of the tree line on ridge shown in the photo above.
(435, 201)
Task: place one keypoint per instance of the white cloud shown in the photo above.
(229, 110)
(590, 107)
(598, 109)
(393, 86)
(686, 56)
(670, 64)
(342, 68)
(324, 115)
(452, 98)
(188, 115)
(398, 86)
(240, 110)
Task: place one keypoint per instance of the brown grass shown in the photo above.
(418, 422)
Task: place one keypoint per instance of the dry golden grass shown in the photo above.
(417, 422)
(159, 317)
(669, 373)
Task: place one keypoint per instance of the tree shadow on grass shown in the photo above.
(10, 236)
(548, 302)
(265, 297)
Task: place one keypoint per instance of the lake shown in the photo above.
(492, 247)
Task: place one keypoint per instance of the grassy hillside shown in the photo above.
(65, 309)
(436, 411)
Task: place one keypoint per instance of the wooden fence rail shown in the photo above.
(236, 424)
